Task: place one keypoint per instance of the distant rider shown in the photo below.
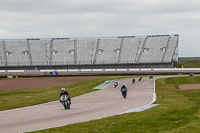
(133, 80)
(150, 77)
(123, 89)
(140, 78)
(64, 92)
(115, 84)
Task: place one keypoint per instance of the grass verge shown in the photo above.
(178, 112)
(187, 64)
(20, 98)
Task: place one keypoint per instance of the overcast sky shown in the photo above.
(103, 18)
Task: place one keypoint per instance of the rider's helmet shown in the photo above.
(63, 89)
(123, 86)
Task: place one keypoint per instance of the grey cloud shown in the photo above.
(114, 6)
(87, 18)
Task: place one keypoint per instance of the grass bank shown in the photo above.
(187, 64)
(178, 112)
(20, 98)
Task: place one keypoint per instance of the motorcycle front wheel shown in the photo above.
(65, 105)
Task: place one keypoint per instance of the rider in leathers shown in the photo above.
(123, 89)
(64, 92)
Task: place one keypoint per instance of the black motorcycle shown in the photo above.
(124, 92)
(150, 77)
(133, 81)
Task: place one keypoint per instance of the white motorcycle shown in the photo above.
(65, 101)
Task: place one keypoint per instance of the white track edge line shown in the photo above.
(147, 106)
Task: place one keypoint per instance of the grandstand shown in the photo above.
(152, 51)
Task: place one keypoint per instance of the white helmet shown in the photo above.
(63, 89)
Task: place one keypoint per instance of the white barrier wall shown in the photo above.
(104, 70)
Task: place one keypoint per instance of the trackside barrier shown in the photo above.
(105, 70)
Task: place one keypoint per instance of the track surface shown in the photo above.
(95, 105)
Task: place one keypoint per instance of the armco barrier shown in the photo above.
(105, 70)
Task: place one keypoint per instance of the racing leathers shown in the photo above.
(67, 95)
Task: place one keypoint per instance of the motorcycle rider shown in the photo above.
(123, 89)
(150, 77)
(64, 92)
(115, 84)
(140, 78)
(133, 80)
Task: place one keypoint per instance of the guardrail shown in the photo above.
(104, 70)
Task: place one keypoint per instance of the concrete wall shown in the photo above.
(99, 66)
(189, 59)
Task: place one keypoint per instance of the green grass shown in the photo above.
(178, 112)
(187, 64)
(20, 98)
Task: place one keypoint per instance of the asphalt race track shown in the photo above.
(95, 105)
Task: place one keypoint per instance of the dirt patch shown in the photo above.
(189, 86)
(43, 82)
